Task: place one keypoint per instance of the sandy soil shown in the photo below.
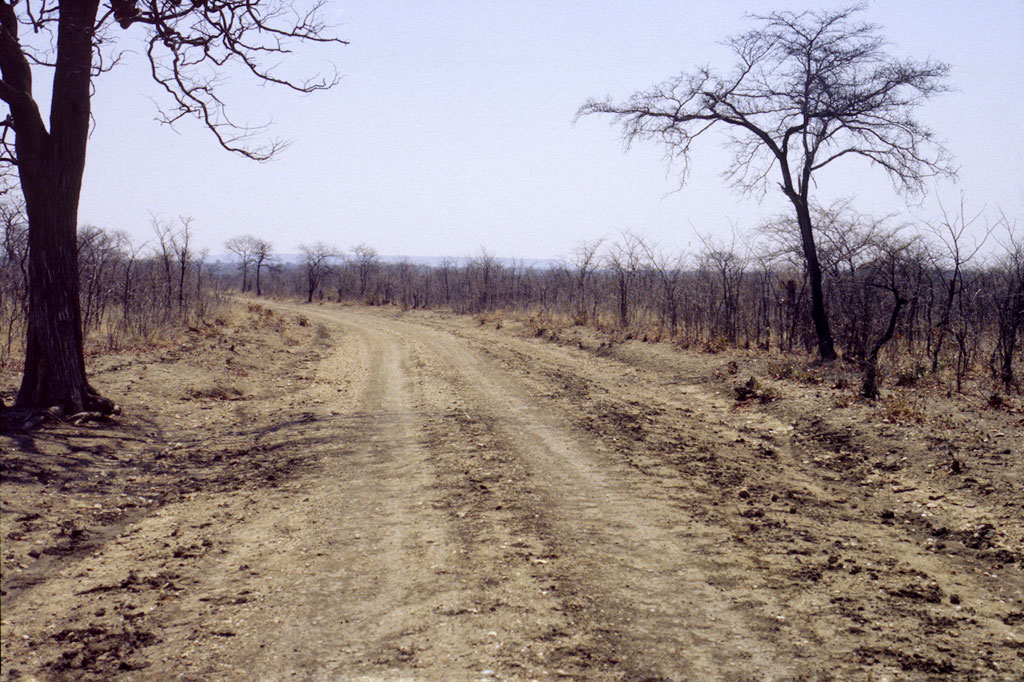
(327, 493)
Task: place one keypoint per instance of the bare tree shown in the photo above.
(262, 257)
(128, 261)
(809, 89)
(317, 264)
(165, 245)
(625, 258)
(669, 272)
(950, 266)
(367, 261)
(13, 272)
(585, 262)
(1009, 298)
(183, 254)
(244, 247)
(725, 267)
(886, 272)
(187, 43)
(98, 251)
(448, 267)
(482, 274)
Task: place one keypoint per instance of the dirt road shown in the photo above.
(451, 501)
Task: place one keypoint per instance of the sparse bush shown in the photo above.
(780, 369)
(900, 407)
(755, 390)
(910, 376)
(715, 345)
(128, 297)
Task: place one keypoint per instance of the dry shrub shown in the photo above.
(802, 371)
(997, 401)
(910, 376)
(901, 407)
(216, 391)
(541, 324)
(653, 335)
(715, 344)
(780, 369)
(755, 390)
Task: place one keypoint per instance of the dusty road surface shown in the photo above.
(363, 494)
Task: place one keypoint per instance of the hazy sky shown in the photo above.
(452, 130)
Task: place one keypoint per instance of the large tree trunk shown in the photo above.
(50, 166)
(822, 329)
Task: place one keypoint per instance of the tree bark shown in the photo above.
(819, 315)
(50, 166)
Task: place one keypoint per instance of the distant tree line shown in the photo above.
(927, 297)
(129, 292)
(924, 296)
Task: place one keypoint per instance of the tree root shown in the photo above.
(22, 419)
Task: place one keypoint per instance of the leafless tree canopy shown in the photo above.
(809, 88)
(189, 46)
(316, 260)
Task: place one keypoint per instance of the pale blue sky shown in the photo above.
(451, 130)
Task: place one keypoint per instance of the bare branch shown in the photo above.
(819, 78)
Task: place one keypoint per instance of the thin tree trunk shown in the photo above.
(623, 301)
(869, 389)
(819, 315)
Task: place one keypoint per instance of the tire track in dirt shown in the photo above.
(640, 580)
(850, 584)
(354, 568)
(434, 595)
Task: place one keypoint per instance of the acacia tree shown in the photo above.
(187, 43)
(809, 89)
